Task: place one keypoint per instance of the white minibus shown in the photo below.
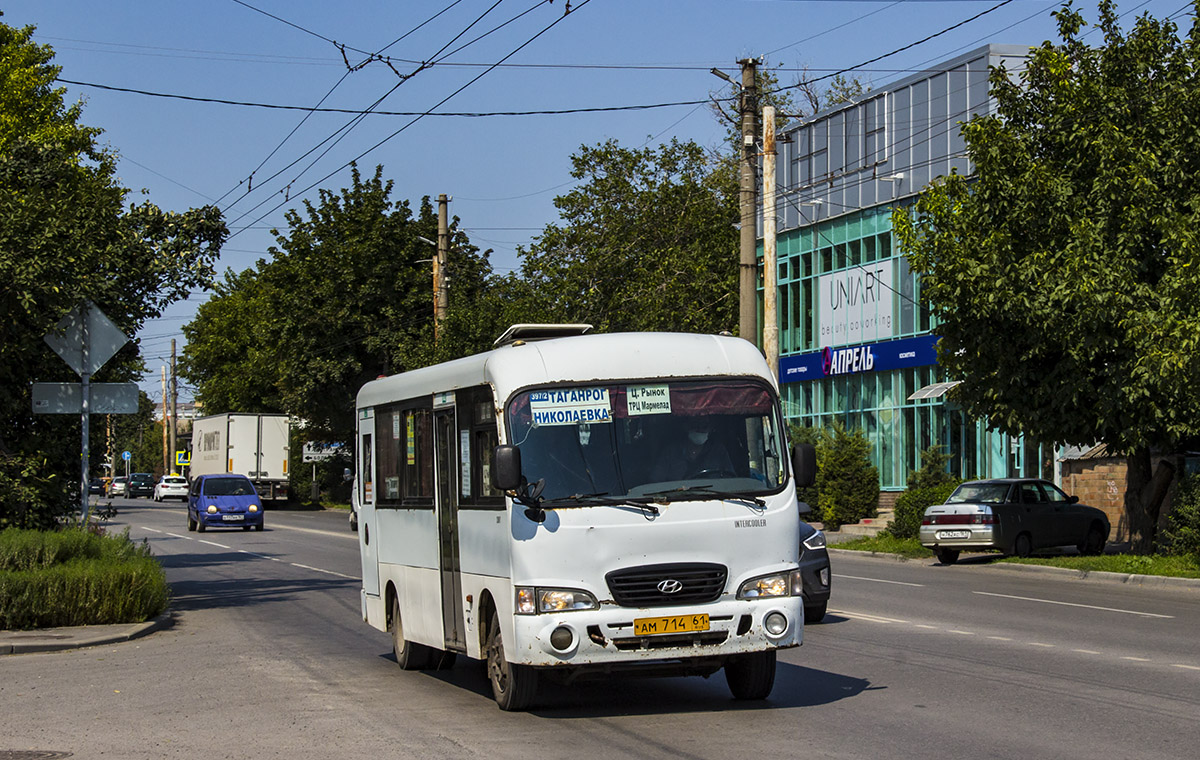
(578, 506)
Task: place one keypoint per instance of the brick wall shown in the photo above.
(1100, 483)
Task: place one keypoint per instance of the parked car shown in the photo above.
(140, 484)
(1016, 516)
(814, 573)
(227, 501)
(171, 487)
(96, 485)
(119, 486)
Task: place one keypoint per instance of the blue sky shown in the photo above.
(503, 172)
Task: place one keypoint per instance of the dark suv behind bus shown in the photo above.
(141, 484)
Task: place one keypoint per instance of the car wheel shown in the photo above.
(409, 655)
(751, 676)
(200, 526)
(191, 522)
(947, 556)
(247, 527)
(513, 686)
(815, 613)
(259, 527)
(1023, 546)
(1093, 542)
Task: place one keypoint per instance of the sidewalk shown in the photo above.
(57, 639)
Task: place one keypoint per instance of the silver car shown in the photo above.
(1014, 516)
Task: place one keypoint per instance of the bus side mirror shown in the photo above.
(804, 464)
(506, 468)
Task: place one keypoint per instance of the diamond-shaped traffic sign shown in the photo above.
(103, 338)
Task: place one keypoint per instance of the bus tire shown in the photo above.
(513, 686)
(751, 676)
(409, 654)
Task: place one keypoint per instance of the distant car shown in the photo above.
(814, 573)
(354, 505)
(96, 485)
(119, 486)
(1012, 515)
(226, 501)
(140, 484)
(171, 487)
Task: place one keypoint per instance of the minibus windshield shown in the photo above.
(683, 439)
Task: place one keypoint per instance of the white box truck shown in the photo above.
(254, 445)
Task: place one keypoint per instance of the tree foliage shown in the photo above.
(66, 236)
(1064, 273)
(847, 482)
(647, 243)
(346, 296)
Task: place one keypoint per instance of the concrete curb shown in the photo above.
(1094, 576)
(77, 637)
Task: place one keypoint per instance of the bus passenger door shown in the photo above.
(364, 483)
(447, 510)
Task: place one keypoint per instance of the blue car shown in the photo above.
(224, 501)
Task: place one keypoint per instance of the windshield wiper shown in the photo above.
(708, 491)
(602, 499)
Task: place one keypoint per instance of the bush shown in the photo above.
(31, 496)
(910, 507)
(1181, 536)
(847, 482)
(74, 577)
(932, 484)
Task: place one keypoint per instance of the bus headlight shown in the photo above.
(531, 601)
(772, 586)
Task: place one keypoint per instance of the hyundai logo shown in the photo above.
(670, 586)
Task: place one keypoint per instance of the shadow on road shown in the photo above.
(238, 592)
(795, 686)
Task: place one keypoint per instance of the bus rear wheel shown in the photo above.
(513, 686)
(751, 676)
(409, 654)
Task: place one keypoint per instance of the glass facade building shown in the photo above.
(855, 341)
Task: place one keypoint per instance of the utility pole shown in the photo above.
(166, 459)
(748, 266)
(174, 403)
(770, 269)
(440, 299)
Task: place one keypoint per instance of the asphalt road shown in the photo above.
(270, 659)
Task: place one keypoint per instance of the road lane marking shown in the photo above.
(1040, 644)
(1000, 638)
(930, 627)
(259, 556)
(869, 618)
(960, 633)
(1073, 604)
(1085, 651)
(277, 526)
(176, 535)
(328, 572)
(878, 580)
(211, 543)
(1187, 667)
(1135, 659)
(152, 530)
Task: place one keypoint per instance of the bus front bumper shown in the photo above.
(613, 635)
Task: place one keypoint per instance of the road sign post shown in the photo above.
(85, 339)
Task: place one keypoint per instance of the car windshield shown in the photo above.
(979, 493)
(228, 487)
(692, 439)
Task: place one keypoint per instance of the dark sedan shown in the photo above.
(1014, 516)
(814, 572)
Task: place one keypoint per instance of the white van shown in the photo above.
(584, 505)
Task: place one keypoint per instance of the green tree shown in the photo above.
(1064, 273)
(346, 296)
(66, 235)
(847, 482)
(647, 243)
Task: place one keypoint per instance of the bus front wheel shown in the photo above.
(751, 676)
(513, 686)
